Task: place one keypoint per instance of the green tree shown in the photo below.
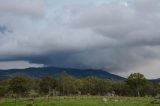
(78, 86)
(19, 85)
(4, 88)
(66, 84)
(136, 81)
(47, 84)
(103, 86)
(94, 86)
(122, 89)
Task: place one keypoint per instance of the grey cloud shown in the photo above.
(146, 5)
(116, 36)
(22, 7)
(3, 29)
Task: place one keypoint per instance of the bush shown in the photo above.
(30, 104)
(157, 97)
(156, 101)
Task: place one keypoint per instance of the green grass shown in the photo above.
(81, 101)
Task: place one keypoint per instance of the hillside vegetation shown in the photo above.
(67, 90)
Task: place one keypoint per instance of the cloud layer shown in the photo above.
(117, 36)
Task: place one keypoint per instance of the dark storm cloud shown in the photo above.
(117, 36)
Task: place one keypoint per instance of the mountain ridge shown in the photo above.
(43, 71)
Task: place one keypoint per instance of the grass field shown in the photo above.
(81, 101)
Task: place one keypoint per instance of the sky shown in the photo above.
(118, 36)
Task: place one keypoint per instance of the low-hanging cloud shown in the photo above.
(115, 36)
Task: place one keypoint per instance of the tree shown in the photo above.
(3, 88)
(122, 89)
(47, 84)
(78, 86)
(94, 86)
(34, 84)
(18, 85)
(89, 85)
(102, 86)
(136, 81)
(66, 84)
(151, 88)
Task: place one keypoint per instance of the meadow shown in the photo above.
(81, 101)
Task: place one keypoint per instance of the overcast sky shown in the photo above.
(118, 36)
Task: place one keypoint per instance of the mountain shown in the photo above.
(39, 72)
(156, 80)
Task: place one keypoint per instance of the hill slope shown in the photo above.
(39, 72)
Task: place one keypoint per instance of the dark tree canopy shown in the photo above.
(65, 84)
(136, 81)
(18, 85)
(47, 84)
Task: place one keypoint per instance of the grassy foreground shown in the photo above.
(80, 101)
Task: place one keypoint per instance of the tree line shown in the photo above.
(67, 85)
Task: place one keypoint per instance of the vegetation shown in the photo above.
(137, 82)
(85, 101)
(65, 85)
(79, 89)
